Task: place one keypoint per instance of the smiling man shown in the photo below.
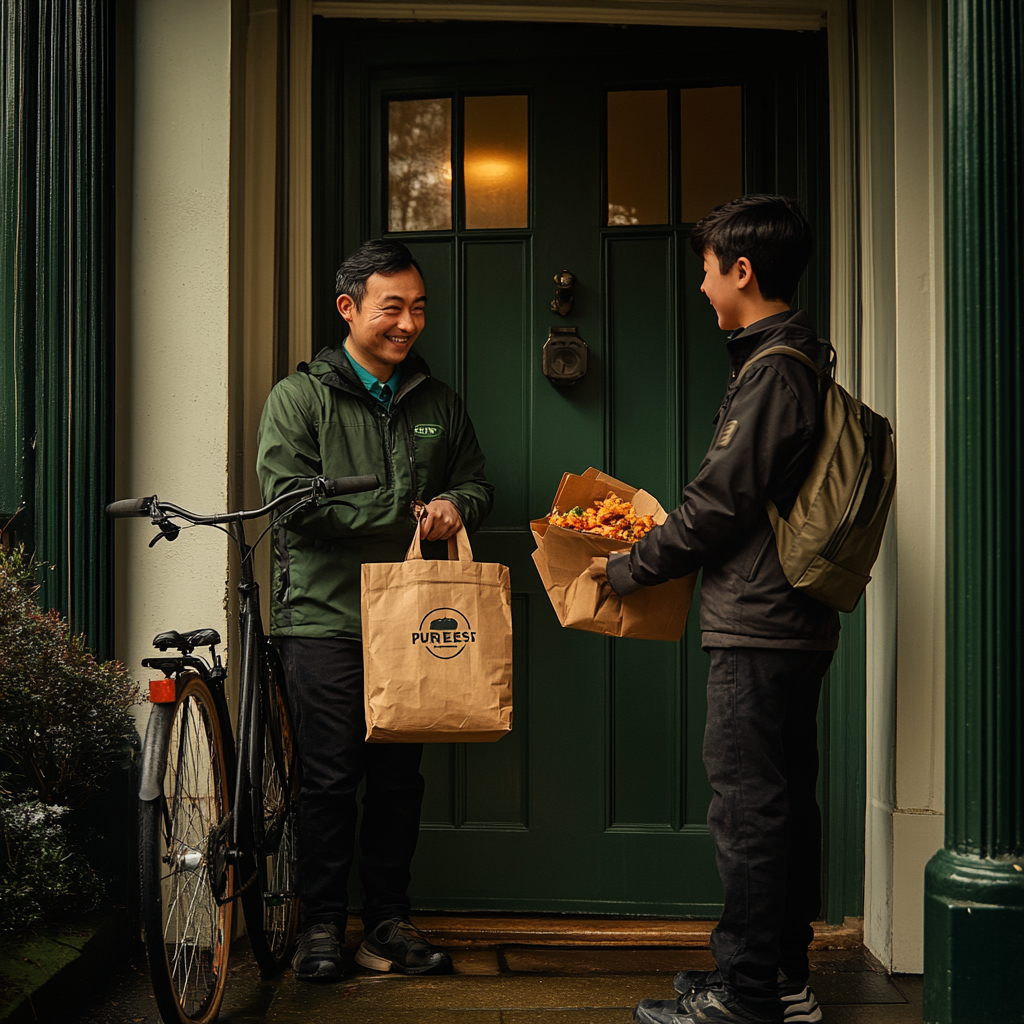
(370, 406)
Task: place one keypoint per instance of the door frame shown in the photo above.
(276, 302)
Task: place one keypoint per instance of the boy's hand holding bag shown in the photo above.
(437, 647)
(563, 558)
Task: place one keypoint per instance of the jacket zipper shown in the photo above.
(385, 433)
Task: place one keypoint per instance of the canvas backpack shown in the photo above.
(830, 541)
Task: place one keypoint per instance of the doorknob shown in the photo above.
(564, 357)
(565, 282)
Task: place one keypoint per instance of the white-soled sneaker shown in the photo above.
(798, 999)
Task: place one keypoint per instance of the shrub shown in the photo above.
(45, 876)
(65, 725)
(64, 716)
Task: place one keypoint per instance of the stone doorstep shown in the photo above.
(40, 968)
(469, 931)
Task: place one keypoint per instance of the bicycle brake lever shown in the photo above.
(167, 529)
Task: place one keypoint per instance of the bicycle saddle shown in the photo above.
(186, 642)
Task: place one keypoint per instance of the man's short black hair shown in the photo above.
(769, 230)
(377, 256)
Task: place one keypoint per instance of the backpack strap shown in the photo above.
(785, 350)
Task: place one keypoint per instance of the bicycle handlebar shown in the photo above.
(334, 487)
(129, 507)
(321, 487)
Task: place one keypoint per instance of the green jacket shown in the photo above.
(321, 421)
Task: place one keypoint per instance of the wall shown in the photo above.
(901, 54)
(172, 381)
(920, 385)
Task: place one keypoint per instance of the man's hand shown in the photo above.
(439, 520)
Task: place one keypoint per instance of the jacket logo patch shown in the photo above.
(728, 433)
(445, 633)
(428, 430)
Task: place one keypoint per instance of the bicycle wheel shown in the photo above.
(183, 856)
(271, 903)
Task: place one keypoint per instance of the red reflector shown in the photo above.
(161, 691)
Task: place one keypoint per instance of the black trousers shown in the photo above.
(325, 697)
(761, 756)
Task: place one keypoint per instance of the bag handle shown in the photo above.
(459, 548)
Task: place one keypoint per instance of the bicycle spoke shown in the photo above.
(192, 929)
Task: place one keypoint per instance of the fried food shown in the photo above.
(613, 518)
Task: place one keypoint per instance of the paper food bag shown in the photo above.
(563, 556)
(437, 648)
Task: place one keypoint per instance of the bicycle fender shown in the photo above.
(154, 751)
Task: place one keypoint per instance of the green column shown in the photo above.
(974, 887)
(56, 178)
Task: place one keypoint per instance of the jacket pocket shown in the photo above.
(759, 557)
(284, 569)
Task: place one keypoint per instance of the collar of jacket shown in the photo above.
(331, 367)
(744, 343)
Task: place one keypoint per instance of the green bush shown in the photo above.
(45, 876)
(64, 716)
(65, 726)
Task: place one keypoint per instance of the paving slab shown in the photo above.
(855, 987)
(548, 986)
(506, 992)
(615, 1016)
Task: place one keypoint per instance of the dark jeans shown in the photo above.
(325, 695)
(761, 756)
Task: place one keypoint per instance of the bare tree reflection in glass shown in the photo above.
(420, 165)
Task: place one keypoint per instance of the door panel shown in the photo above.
(597, 800)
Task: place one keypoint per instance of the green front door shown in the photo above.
(503, 155)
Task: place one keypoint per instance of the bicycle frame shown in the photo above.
(252, 832)
(252, 677)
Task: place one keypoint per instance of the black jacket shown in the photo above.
(766, 433)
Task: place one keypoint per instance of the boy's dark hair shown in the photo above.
(377, 256)
(769, 230)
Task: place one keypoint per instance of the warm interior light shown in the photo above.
(488, 169)
(496, 161)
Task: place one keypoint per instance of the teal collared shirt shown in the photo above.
(374, 386)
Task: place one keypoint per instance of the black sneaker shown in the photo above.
(396, 944)
(718, 1005)
(692, 981)
(799, 1002)
(318, 955)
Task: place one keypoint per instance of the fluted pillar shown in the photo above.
(974, 887)
(56, 368)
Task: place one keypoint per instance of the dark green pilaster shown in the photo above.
(56, 174)
(974, 888)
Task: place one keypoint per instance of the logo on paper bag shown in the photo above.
(445, 633)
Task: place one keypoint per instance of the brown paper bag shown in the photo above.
(563, 556)
(437, 648)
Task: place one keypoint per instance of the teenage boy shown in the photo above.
(770, 645)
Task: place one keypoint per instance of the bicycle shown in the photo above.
(216, 827)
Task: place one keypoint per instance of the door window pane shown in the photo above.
(496, 161)
(420, 165)
(712, 149)
(638, 157)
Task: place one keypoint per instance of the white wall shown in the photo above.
(920, 500)
(901, 207)
(173, 394)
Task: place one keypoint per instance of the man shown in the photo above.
(369, 407)
(770, 645)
